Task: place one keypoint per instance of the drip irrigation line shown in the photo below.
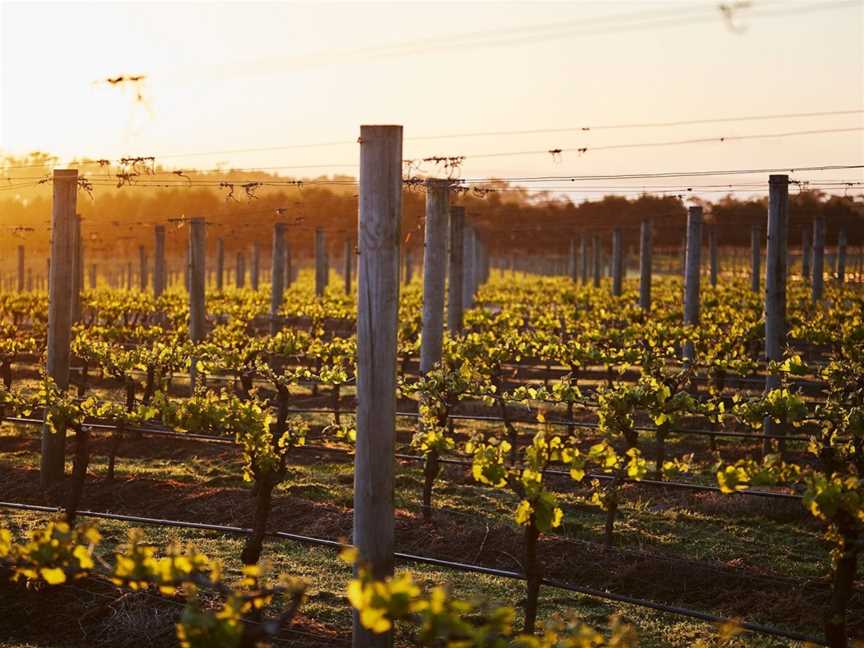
(437, 562)
(420, 459)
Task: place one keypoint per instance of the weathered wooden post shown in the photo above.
(277, 275)
(595, 259)
(691, 275)
(255, 272)
(93, 270)
(712, 254)
(572, 265)
(583, 259)
(617, 262)
(409, 266)
(755, 257)
(841, 255)
(240, 271)
(645, 265)
(60, 285)
(197, 264)
(289, 268)
(455, 281)
(21, 272)
(775, 286)
(220, 263)
(142, 269)
(159, 261)
(468, 267)
(377, 313)
(805, 253)
(348, 263)
(818, 282)
(129, 275)
(434, 272)
(321, 269)
(77, 268)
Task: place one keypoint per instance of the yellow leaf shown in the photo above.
(53, 575)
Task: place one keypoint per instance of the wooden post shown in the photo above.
(92, 276)
(240, 271)
(349, 263)
(434, 272)
(455, 281)
(468, 268)
(755, 257)
(277, 275)
(645, 265)
(21, 272)
(573, 266)
(289, 268)
(775, 284)
(255, 273)
(143, 279)
(129, 275)
(60, 287)
(818, 282)
(805, 253)
(77, 268)
(692, 266)
(409, 267)
(321, 269)
(377, 323)
(841, 255)
(712, 254)
(617, 262)
(583, 258)
(220, 263)
(197, 263)
(159, 261)
(595, 259)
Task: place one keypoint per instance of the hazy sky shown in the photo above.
(246, 75)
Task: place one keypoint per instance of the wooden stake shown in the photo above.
(645, 265)
(434, 272)
(805, 253)
(455, 281)
(21, 272)
(159, 261)
(617, 262)
(240, 271)
(255, 273)
(755, 257)
(818, 282)
(321, 270)
(220, 264)
(377, 323)
(775, 285)
(692, 266)
(143, 279)
(59, 318)
(277, 276)
(349, 263)
(77, 268)
(197, 264)
(468, 259)
(712, 255)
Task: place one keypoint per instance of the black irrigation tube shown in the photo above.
(409, 457)
(438, 562)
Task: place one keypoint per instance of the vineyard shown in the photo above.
(439, 449)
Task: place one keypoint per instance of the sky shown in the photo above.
(221, 77)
